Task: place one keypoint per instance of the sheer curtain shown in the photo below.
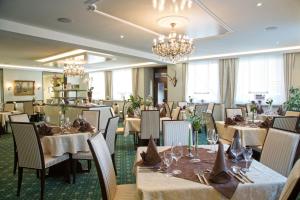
(260, 75)
(122, 83)
(203, 81)
(98, 82)
(289, 65)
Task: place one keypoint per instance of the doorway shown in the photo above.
(160, 85)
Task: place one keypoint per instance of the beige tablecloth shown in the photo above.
(249, 136)
(267, 185)
(39, 109)
(57, 145)
(4, 116)
(131, 125)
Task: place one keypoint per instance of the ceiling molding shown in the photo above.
(25, 29)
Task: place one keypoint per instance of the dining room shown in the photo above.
(150, 100)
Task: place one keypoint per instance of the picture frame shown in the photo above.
(24, 88)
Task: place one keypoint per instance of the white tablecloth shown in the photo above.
(4, 116)
(39, 109)
(57, 145)
(249, 135)
(267, 185)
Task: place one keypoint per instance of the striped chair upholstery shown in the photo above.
(210, 108)
(292, 113)
(292, 186)
(105, 114)
(92, 116)
(175, 132)
(285, 123)
(19, 118)
(8, 107)
(232, 112)
(200, 109)
(279, 150)
(150, 124)
(106, 174)
(28, 108)
(175, 113)
(110, 133)
(210, 122)
(20, 107)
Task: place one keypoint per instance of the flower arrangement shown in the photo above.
(269, 101)
(136, 102)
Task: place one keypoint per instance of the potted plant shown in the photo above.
(293, 102)
(148, 102)
(90, 94)
(130, 111)
(136, 103)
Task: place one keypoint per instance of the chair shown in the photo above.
(168, 110)
(106, 174)
(149, 125)
(200, 109)
(182, 104)
(292, 186)
(279, 150)
(28, 108)
(232, 112)
(9, 107)
(20, 107)
(30, 153)
(292, 113)
(175, 132)
(285, 123)
(110, 137)
(175, 113)
(92, 116)
(244, 109)
(105, 114)
(210, 108)
(17, 118)
(171, 104)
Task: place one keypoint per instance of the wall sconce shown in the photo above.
(39, 88)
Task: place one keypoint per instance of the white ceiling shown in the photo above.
(243, 21)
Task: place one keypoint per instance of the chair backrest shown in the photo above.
(105, 114)
(104, 166)
(210, 108)
(150, 124)
(28, 144)
(244, 109)
(171, 104)
(210, 122)
(292, 113)
(200, 109)
(8, 107)
(19, 118)
(92, 116)
(175, 132)
(168, 110)
(285, 123)
(182, 104)
(110, 133)
(175, 113)
(232, 112)
(28, 108)
(292, 186)
(279, 150)
(20, 107)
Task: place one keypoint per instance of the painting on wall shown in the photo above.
(23, 88)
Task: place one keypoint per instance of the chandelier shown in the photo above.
(175, 47)
(174, 5)
(72, 70)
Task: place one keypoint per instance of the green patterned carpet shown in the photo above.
(86, 187)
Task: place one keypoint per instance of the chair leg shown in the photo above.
(43, 176)
(15, 163)
(74, 168)
(89, 165)
(37, 173)
(114, 163)
(20, 176)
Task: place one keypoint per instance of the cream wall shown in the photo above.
(145, 82)
(10, 75)
(296, 74)
(176, 93)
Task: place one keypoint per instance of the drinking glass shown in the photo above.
(209, 140)
(167, 160)
(247, 153)
(47, 119)
(177, 153)
(236, 149)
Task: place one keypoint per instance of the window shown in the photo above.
(260, 75)
(203, 81)
(121, 83)
(98, 82)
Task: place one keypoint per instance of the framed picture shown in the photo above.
(24, 88)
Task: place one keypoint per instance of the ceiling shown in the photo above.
(219, 27)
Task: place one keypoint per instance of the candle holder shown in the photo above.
(196, 156)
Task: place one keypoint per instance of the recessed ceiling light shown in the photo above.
(259, 4)
(271, 28)
(64, 20)
(121, 36)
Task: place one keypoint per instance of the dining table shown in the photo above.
(265, 183)
(251, 134)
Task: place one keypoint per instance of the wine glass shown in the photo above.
(167, 160)
(209, 140)
(236, 149)
(177, 153)
(47, 119)
(215, 139)
(247, 153)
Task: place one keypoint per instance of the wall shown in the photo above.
(296, 74)
(176, 93)
(9, 75)
(145, 82)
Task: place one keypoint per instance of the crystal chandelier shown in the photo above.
(73, 70)
(175, 47)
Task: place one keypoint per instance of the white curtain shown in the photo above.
(98, 82)
(227, 80)
(108, 84)
(122, 83)
(135, 81)
(184, 80)
(289, 66)
(203, 81)
(260, 75)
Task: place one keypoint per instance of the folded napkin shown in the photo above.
(280, 111)
(230, 121)
(151, 156)
(44, 129)
(260, 110)
(219, 171)
(83, 126)
(266, 124)
(236, 141)
(162, 111)
(239, 118)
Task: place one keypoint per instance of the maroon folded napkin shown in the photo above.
(44, 130)
(219, 171)
(83, 125)
(229, 121)
(151, 156)
(266, 124)
(239, 118)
